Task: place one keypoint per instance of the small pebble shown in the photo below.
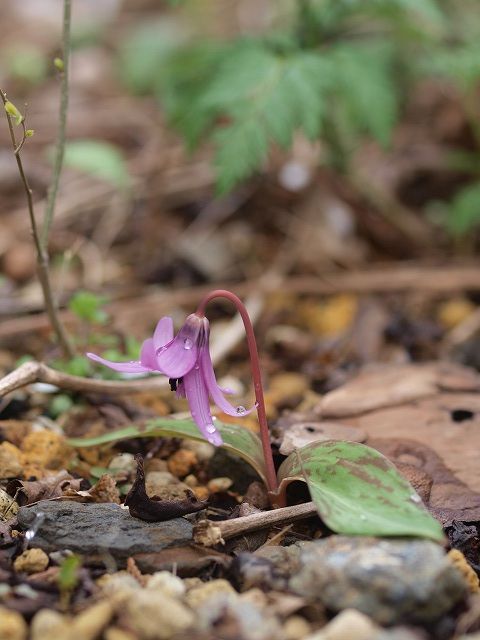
(296, 628)
(156, 480)
(48, 624)
(123, 462)
(10, 465)
(202, 450)
(166, 582)
(219, 484)
(12, 625)
(350, 624)
(191, 480)
(155, 464)
(201, 493)
(31, 561)
(182, 462)
(90, 623)
(198, 596)
(154, 616)
(459, 561)
(121, 582)
(114, 633)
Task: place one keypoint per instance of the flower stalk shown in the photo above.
(256, 375)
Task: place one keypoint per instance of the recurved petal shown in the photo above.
(214, 390)
(197, 397)
(147, 355)
(163, 333)
(121, 367)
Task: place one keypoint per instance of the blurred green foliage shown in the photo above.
(99, 158)
(336, 70)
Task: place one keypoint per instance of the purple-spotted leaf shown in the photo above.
(358, 491)
(236, 438)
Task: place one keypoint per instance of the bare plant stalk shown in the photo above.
(41, 241)
(62, 124)
(256, 375)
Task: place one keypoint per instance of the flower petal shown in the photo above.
(178, 357)
(197, 397)
(122, 367)
(181, 389)
(147, 355)
(163, 333)
(213, 388)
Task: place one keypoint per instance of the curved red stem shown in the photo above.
(256, 375)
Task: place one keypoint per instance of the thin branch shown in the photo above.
(34, 371)
(62, 123)
(207, 532)
(42, 255)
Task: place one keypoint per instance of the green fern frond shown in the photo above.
(266, 97)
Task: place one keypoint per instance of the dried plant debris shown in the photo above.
(53, 486)
(155, 509)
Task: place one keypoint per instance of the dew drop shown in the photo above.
(187, 344)
(32, 532)
(210, 428)
(415, 498)
(241, 410)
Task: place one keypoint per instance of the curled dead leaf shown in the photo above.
(155, 509)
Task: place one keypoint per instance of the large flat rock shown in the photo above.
(92, 529)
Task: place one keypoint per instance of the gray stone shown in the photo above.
(392, 581)
(93, 529)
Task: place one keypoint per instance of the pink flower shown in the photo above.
(185, 359)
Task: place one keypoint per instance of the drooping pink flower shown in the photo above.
(186, 360)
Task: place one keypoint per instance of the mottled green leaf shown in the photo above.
(358, 491)
(236, 438)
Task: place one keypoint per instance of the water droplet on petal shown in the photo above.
(241, 410)
(210, 428)
(187, 344)
(214, 418)
(415, 498)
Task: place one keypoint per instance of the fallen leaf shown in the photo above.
(52, 486)
(302, 433)
(448, 498)
(380, 386)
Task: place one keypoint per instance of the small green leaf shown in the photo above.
(12, 111)
(237, 439)
(358, 491)
(464, 211)
(101, 159)
(87, 306)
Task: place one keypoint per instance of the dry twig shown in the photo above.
(207, 532)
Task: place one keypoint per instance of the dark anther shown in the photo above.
(174, 382)
(459, 415)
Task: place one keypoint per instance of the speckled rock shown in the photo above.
(391, 581)
(92, 529)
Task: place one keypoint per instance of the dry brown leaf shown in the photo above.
(381, 386)
(53, 486)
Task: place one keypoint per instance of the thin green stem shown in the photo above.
(62, 124)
